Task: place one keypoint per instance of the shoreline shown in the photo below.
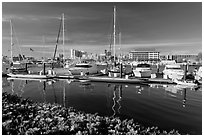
(24, 117)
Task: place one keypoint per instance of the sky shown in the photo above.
(169, 27)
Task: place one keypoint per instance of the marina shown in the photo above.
(136, 79)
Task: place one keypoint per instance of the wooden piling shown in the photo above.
(44, 68)
(157, 68)
(185, 71)
(121, 70)
(26, 67)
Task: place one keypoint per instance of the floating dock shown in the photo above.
(30, 76)
(29, 79)
(128, 81)
(159, 81)
(102, 79)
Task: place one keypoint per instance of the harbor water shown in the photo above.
(166, 106)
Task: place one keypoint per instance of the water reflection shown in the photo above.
(176, 91)
(54, 92)
(184, 97)
(44, 92)
(145, 103)
(21, 87)
(120, 98)
(139, 89)
(114, 93)
(87, 86)
(64, 94)
(12, 87)
(116, 98)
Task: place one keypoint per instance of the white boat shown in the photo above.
(61, 71)
(134, 63)
(142, 70)
(102, 63)
(84, 68)
(173, 71)
(198, 75)
(167, 62)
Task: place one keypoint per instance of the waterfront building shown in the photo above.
(144, 55)
(186, 57)
(180, 57)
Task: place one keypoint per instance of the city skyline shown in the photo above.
(170, 27)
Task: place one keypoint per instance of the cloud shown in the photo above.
(159, 44)
(8, 17)
(38, 46)
(46, 52)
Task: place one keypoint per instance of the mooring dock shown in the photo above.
(128, 81)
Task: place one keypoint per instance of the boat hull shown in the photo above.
(174, 75)
(18, 70)
(142, 74)
(173, 72)
(81, 70)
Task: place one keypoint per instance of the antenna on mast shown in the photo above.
(114, 32)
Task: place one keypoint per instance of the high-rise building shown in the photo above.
(77, 54)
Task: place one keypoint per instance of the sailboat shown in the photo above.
(115, 70)
(15, 69)
(57, 67)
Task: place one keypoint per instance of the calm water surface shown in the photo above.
(166, 106)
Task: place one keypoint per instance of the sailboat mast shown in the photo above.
(57, 39)
(120, 45)
(11, 41)
(63, 33)
(114, 32)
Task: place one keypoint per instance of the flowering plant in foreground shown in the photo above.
(22, 116)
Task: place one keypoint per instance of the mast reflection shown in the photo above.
(64, 94)
(12, 87)
(117, 97)
(44, 92)
(22, 86)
